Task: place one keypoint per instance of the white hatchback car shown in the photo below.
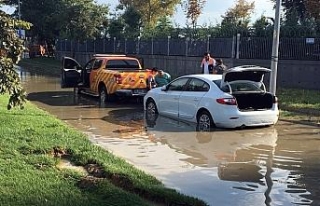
(237, 98)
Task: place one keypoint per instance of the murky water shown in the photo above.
(262, 166)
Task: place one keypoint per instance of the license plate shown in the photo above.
(139, 91)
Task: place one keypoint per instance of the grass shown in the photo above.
(33, 143)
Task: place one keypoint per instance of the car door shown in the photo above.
(92, 68)
(70, 73)
(191, 96)
(168, 103)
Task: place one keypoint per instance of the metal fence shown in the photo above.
(236, 47)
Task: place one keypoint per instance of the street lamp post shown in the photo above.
(19, 16)
(275, 49)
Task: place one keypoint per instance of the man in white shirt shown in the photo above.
(207, 64)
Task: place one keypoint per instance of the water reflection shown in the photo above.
(257, 160)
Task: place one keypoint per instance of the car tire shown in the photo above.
(151, 107)
(204, 121)
(103, 94)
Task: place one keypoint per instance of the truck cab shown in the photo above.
(107, 76)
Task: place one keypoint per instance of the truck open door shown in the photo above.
(70, 73)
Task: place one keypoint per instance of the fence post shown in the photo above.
(94, 45)
(86, 46)
(65, 45)
(125, 45)
(208, 42)
(187, 42)
(104, 45)
(233, 47)
(152, 45)
(71, 49)
(138, 45)
(238, 46)
(114, 44)
(168, 49)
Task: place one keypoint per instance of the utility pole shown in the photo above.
(19, 16)
(275, 49)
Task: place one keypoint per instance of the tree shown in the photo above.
(74, 19)
(164, 28)
(132, 20)
(193, 9)
(151, 10)
(296, 7)
(11, 48)
(237, 18)
(44, 16)
(115, 28)
(82, 19)
(263, 27)
(312, 7)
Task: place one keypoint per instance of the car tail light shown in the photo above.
(227, 101)
(118, 78)
(275, 100)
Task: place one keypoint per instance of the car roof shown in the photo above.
(209, 77)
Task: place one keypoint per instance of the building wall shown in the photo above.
(291, 73)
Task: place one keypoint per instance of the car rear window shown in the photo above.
(120, 64)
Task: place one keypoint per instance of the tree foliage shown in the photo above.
(82, 19)
(294, 7)
(313, 8)
(193, 9)
(237, 18)
(151, 10)
(74, 19)
(11, 48)
(239, 15)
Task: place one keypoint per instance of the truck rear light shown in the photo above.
(227, 101)
(118, 78)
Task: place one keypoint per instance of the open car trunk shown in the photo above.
(245, 83)
(254, 101)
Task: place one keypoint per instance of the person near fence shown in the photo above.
(151, 79)
(207, 63)
(162, 78)
(220, 67)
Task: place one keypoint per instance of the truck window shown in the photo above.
(120, 64)
(97, 64)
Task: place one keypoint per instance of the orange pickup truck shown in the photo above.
(107, 76)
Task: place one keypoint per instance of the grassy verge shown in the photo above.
(34, 143)
(299, 104)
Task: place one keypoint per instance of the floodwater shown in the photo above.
(263, 166)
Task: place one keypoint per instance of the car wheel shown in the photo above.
(151, 107)
(204, 121)
(103, 94)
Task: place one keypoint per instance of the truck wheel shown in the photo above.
(103, 94)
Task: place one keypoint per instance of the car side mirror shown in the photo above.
(164, 88)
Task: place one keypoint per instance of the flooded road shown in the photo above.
(263, 166)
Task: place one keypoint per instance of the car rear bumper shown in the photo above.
(249, 119)
(131, 92)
